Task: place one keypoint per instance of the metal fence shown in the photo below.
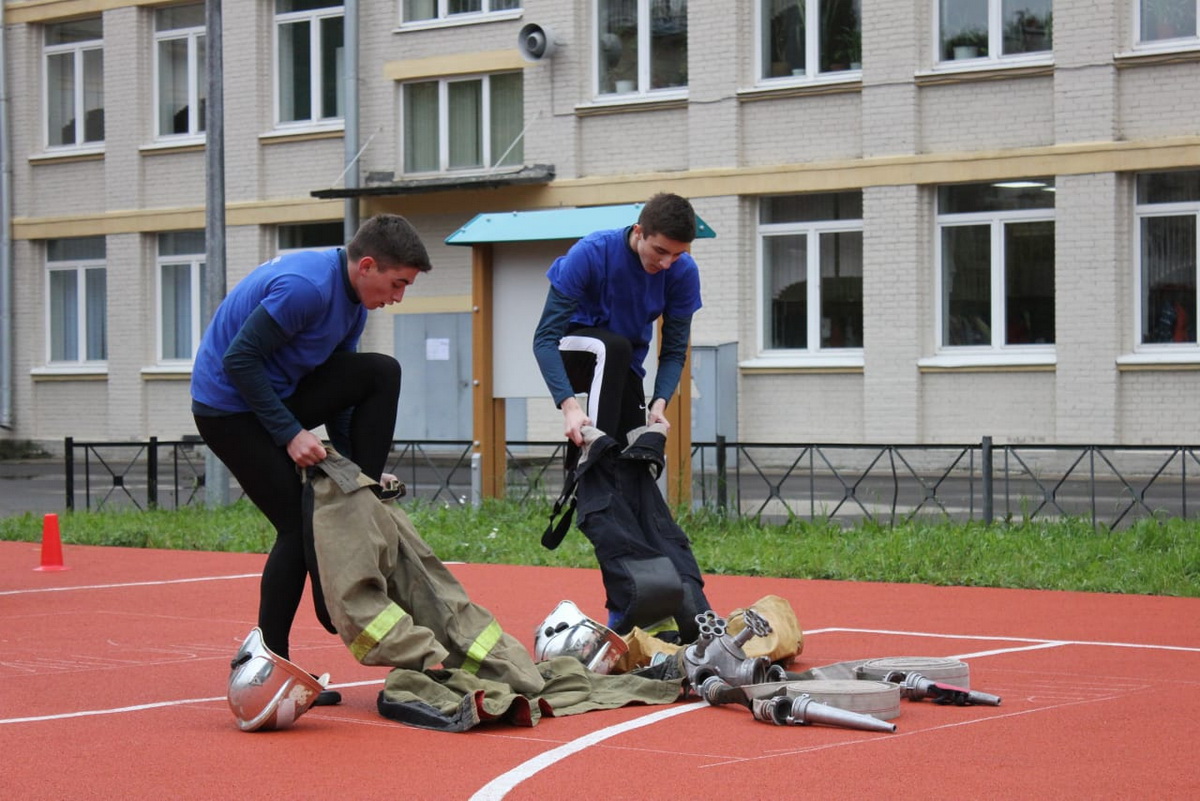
(1111, 486)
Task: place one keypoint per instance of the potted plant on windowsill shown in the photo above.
(968, 43)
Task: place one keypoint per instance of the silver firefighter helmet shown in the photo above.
(267, 691)
(569, 632)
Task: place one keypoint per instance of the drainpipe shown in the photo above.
(6, 261)
(350, 45)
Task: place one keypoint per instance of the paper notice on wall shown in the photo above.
(437, 350)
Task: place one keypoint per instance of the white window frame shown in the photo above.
(195, 80)
(812, 50)
(488, 157)
(1173, 43)
(80, 268)
(642, 90)
(77, 50)
(995, 38)
(195, 263)
(1187, 350)
(440, 14)
(996, 349)
(314, 18)
(814, 354)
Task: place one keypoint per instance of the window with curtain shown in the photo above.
(1167, 211)
(992, 30)
(641, 46)
(811, 263)
(74, 73)
(429, 10)
(804, 39)
(1172, 21)
(463, 123)
(996, 255)
(76, 294)
(310, 60)
(181, 290)
(179, 56)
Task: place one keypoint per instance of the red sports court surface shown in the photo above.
(112, 684)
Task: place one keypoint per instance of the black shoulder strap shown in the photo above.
(554, 534)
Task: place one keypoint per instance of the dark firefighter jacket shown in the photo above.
(394, 603)
(645, 558)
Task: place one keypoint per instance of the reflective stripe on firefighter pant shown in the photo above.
(369, 637)
(482, 646)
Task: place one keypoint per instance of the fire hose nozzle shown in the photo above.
(917, 687)
(804, 711)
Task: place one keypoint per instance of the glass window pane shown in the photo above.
(668, 43)
(785, 272)
(841, 290)
(505, 5)
(181, 243)
(60, 99)
(508, 118)
(202, 82)
(964, 28)
(333, 67)
(306, 236)
(421, 127)
(1169, 279)
(415, 10)
(75, 31)
(173, 86)
(841, 47)
(1033, 193)
(1168, 19)
(810, 208)
(64, 315)
(1168, 187)
(286, 6)
(295, 81)
(618, 46)
(465, 132)
(464, 6)
(78, 248)
(93, 95)
(1028, 26)
(783, 32)
(177, 311)
(967, 285)
(1029, 283)
(97, 317)
(173, 17)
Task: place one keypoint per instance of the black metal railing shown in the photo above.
(1109, 485)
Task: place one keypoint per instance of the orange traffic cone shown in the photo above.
(52, 557)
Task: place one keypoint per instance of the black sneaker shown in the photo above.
(328, 698)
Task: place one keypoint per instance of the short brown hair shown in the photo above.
(392, 241)
(669, 215)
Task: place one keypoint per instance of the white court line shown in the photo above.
(130, 584)
(1047, 643)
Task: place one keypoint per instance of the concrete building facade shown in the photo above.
(935, 221)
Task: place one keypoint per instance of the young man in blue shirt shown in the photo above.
(605, 295)
(279, 358)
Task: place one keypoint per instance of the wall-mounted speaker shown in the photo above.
(536, 42)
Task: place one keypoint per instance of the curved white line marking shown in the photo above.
(498, 787)
(160, 583)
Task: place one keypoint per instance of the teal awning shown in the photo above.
(573, 223)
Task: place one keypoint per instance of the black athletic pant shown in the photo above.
(369, 383)
(598, 362)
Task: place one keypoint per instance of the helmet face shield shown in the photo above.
(569, 632)
(267, 691)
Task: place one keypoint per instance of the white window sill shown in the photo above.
(1179, 355)
(458, 20)
(820, 79)
(634, 98)
(300, 129)
(174, 142)
(70, 371)
(848, 359)
(62, 153)
(168, 370)
(989, 64)
(990, 358)
(1183, 45)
